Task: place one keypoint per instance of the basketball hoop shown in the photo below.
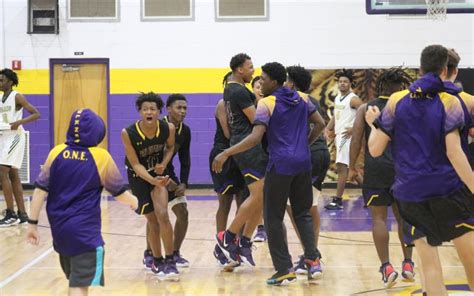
(436, 9)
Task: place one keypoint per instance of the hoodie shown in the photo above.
(74, 175)
(285, 114)
(417, 121)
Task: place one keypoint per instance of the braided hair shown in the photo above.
(392, 80)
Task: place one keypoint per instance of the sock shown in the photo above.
(245, 242)
(229, 236)
(158, 259)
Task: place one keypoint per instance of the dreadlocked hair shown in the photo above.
(392, 80)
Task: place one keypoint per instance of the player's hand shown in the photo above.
(14, 125)
(329, 134)
(32, 235)
(347, 133)
(219, 161)
(352, 175)
(160, 168)
(180, 190)
(372, 113)
(161, 180)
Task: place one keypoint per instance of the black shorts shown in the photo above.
(441, 219)
(252, 164)
(142, 190)
(377, 196)
(320, 161)
(84, 270)
(230, 180)
(411, 234)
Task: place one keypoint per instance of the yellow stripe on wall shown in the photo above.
(130, 81)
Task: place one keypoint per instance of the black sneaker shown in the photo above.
(23, 217)
(335, 204)
(10, 219)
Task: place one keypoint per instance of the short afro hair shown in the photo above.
(433, 59)
(173, 98)
(300, 77)
(149, 97)
(238, 60)
(275, 71)
(11, 75)
(345, 73)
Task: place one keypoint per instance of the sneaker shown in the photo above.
(245, 254)
(261, 235)
(23, 216)
(389, 275)
(229, 249)
(158, 267)
(300, 267)
(223, 261)
(10, 219)
(335, 204)
(179, 260)
(279, 279)
(408, 271)
(147, 259)
(171, 271)
(314, 270)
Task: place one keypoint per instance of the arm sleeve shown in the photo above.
(454, 118)
(311, 108)
(243, 98)
(262, 115)
(42, 181)
(184, 154)
(109, 174)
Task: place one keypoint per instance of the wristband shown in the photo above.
(34, 222)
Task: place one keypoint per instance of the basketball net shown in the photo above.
(436, 9)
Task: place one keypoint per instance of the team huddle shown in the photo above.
(270, 153)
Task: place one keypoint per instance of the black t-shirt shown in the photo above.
(149, 151)
(182, 143)
(220, 141)
(320, 143)
(237, 98)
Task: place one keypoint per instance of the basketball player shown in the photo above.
(345, 106)
(72, 180)
(261, 235)
(466, 100)
(283, 114)
(429, 174)
(149, 147)
(299, 79)
(379, 176)
(12, 146)
(240, 108)
(229, 182)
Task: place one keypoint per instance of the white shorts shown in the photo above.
(316, 195)
(12, 149)
(177, 200)
(342, 150)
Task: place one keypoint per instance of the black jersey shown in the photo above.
(320, 143)
(220, 141)
(182, 144)
(379, 172)
(149, 151)
(237, 97)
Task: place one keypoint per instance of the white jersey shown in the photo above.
(343, 112)
(8, 112)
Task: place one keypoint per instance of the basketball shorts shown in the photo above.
(252, 164)
(441, 219)
(230, 180)
(342, 149)
(12, 148)
(377, 196)
(85, 269)
(320, 161)
(142, 190)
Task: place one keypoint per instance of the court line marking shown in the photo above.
(25, 268)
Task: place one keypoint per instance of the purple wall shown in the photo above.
(122, 113)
